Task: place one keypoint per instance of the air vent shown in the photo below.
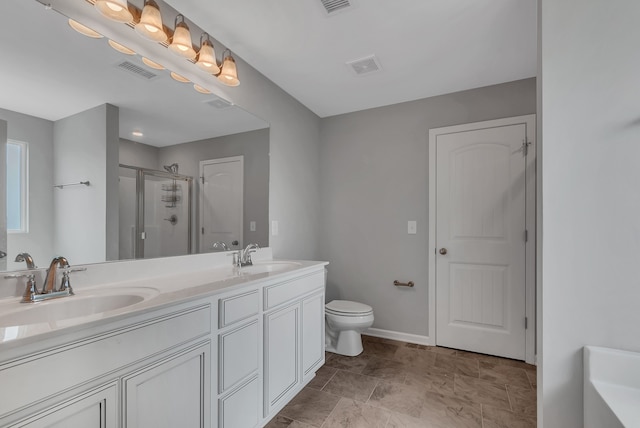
(218, 103)
(137, 70)
(332, 6)
(365, 65)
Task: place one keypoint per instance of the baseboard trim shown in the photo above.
(402, 337)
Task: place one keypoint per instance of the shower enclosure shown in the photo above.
(155, 212)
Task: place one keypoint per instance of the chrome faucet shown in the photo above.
(245, 256)
(26, 257)
(50, 279)
(220, 244)
(49, 291)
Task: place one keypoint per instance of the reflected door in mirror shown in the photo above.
(3, 195)
(221, 202)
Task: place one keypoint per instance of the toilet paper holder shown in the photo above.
(403, 284)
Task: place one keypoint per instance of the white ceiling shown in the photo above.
(425, 47)
(54, 72)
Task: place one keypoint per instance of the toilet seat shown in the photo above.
(348, 308)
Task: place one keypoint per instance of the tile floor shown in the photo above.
(401, 385)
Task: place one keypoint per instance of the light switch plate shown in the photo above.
(412, 227)
(274, 227)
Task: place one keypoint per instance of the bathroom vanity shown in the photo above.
(201, 345)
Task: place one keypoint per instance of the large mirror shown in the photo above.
(110, 159)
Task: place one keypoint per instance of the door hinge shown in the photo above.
(526, 236)
(525, 147)
(202, 230)
(202, 179)
(526, 323)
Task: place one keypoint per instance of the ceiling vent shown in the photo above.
(218, 103)
(365, 65)
(136, 70)
(332, 6)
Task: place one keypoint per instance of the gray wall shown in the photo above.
(591, 203)
(254, 146)
(374, 179)
(84, 146)
(38, 133)
(142, 155)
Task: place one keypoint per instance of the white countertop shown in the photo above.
(161, 284)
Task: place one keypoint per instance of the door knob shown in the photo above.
(3, 254)
(443, 251)
(235, 243)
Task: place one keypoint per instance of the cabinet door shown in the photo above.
(281, 366)
(171, 393)
(94, 409)
(241, 408)
(312, 334)
(238, 355)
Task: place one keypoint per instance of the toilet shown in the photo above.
(344, 322)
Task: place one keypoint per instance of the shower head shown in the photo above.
(173, 168)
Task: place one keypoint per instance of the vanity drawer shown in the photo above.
(277, 294)
(236, 308)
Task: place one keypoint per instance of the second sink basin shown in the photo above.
(17, 314)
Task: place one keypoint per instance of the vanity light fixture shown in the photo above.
(229, 73)
(152, 64)
(137, 134)
(150, 25)
(116, 10)
(84, 30)
(201, 89)
(179, 78)
(181, 42)
(121, 48)
(207, 56)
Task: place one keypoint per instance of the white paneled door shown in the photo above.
(481, 232)
(221, 202)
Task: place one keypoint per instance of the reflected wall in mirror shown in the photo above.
(76, 103)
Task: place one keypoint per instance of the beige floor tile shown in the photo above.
(379, 349)
(444, 411)
(455, 365)
(284, 422)
(504, 375)
(523, 400)
(415, 359)
(351, 385)
(352, 364)
(436, 349)
(385, 369)
(399, 420)
(323, 376)
(407, 399)
(433, 382)
(532, 375)
(353, 414)
(481, 391)
(500, 418)
(310, 407)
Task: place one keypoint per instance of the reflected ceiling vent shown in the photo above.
(332, 6)
(218, 103)
(365, 65)
(136, 70)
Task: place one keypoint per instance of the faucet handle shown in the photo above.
(30, 290)
(65, 284)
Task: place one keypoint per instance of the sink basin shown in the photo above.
(17, 314)
(268, 267)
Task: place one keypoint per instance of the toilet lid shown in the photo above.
(347, 307)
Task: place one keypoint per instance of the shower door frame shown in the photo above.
(140, 193)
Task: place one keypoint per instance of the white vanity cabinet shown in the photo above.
(293, 337)
(93, 409)
(229, 358)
